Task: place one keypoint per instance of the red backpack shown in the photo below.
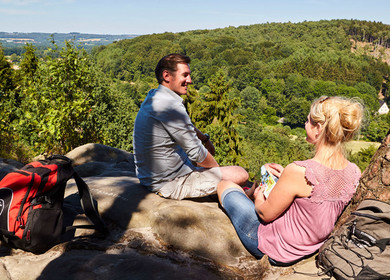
(31, 200)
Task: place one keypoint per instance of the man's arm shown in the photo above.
(206, 141)
(209, 162)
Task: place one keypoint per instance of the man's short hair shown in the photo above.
(169, 62)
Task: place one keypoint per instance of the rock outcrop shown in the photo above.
(375, 180)
(150, 237)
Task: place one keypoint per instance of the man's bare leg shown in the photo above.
(236, 174)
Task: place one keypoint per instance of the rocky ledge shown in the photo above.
(150, 237)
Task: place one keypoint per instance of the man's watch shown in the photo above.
(206, 139)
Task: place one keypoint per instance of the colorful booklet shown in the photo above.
(267, 180)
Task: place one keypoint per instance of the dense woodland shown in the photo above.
(252, 88)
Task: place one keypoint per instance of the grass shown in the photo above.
(356, 146)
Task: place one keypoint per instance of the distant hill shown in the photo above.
(348, 51)
(17, 39)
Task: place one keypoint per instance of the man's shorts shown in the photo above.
(195, 184)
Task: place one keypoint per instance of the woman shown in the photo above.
(301, 210)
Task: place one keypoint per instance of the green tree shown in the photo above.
(363, 157)
(324, 88)
(274, 90)
(377, 128)
(113, 115)
(298, 86)
(250, 97)
(57, 99)
(29, 63)
(271, 144)
(215, 115)
(7, 104)
(295, 112)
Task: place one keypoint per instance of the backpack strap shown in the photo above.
(88, 205)
(64, 158)
(8, 234)
(382, 243)
(374, 205)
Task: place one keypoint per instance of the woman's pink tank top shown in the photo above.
(305, 225)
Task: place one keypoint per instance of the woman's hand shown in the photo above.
(258, 195)
(250, 191)
(274, 168)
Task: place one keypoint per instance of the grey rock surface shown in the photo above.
(150, 237)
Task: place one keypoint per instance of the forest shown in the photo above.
(252, 88)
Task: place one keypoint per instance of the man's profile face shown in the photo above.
(180, 79)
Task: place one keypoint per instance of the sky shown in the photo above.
(141, 17)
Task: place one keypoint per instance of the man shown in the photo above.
(166, 143)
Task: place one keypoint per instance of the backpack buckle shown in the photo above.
(41, 200)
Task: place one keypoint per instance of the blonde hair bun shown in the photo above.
(340, 118)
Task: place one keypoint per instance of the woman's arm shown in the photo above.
(291, 184)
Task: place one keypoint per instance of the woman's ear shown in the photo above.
(318, 128)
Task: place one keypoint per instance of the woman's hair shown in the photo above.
(340, 118)
(169, 62)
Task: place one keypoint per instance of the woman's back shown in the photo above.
(302, 228)
(302, 208)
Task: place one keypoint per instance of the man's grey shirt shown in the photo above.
(164, 139)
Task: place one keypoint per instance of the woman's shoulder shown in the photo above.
(303, 163)
(310, 168)
(354, 173)
(296, 176)
(354, 167)
(294, 170)
(296, 166)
